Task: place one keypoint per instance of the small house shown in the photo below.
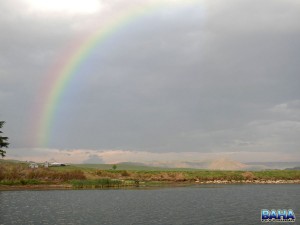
(33, 165)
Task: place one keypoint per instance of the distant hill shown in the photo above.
(11, 161)
(223, 164)
(226, 164)
(217, 164)
(295, 168)
(272, 165)
(128, 166)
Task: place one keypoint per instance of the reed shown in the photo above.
(101, 183)
(18, 173)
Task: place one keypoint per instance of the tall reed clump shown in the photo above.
(20, 174)
(100, 183)
(52, 175)
(12, 172)
(2, 175)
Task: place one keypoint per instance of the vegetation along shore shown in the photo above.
(18, 175)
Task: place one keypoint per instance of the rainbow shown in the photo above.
(59, 76)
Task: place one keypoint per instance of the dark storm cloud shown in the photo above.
(223, 77)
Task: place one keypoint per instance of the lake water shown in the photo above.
(199, 204)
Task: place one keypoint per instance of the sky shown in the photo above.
(184, 81)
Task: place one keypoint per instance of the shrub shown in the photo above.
(125, 173)
(248, 175)
(2, 172)
(29, 182)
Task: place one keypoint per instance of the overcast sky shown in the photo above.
(182, 82)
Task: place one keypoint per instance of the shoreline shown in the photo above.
(157, 185)
(18, 176)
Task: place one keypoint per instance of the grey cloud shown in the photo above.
(224, 77)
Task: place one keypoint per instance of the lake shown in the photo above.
(198, 204)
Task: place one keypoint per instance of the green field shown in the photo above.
(103, 175)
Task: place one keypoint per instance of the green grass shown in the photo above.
(130, 167)
(102, 175)
(20, 182)
(101, 183)
(278, 174)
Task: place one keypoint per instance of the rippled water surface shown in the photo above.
(201, 204)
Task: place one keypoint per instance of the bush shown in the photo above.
(2, 172)
(29, 182)
(125, 173)
(248, 175)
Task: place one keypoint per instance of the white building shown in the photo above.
(33, 165)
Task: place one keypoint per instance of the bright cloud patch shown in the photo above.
(72, 6)
(176, 159)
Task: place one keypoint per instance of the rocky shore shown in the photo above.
(249, 182)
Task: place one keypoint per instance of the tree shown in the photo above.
(114, 167)
(3, 141)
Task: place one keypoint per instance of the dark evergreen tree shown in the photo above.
(3, 141)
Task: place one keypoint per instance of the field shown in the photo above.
(15, 173)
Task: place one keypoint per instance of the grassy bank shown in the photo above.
(18, 174)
